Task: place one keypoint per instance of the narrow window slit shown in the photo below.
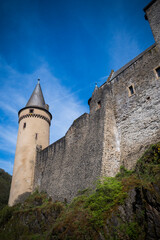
(99, 104)
(36, 136)
(131, 90)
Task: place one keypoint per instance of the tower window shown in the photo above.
(24, 125)
(158, 72)
(36, 136)
(99, 104)
(31, 110)
(131, 90)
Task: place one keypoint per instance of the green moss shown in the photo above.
(31, 219)
(131, 231)
(89, 214)
(148, 166)
(6, 214)
(5, 183)
(124, 173)
(108, 193)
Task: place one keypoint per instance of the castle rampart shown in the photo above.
(124, 119)
(73, 162)
(137, 115)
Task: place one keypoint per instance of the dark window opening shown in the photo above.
(24, 125)
(31, 110)
(99, 104)
(131, 90)
(36, 136)
(158, 71)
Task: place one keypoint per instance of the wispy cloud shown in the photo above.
(6, 107)
(7, 165)
(64, 104)
(124, 48)
(8, 137)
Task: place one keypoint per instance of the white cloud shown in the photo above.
(123, 47)
(8, 137)
(15, 90)
(64, 105)
(8, 133)
(7, 166)
(7, 107)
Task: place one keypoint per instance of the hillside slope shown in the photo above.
(5, 183)
(126, 207)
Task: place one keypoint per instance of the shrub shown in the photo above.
(5, 214)
(108, 193)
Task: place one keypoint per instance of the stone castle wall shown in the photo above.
(121, 124)
(137, 116)
(73, 162)
(152, 15)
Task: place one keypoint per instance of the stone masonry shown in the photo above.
(124, 119)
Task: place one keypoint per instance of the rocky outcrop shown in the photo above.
(138, 217)
(126, 207)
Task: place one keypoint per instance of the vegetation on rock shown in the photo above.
(126, 207)
(5, 183)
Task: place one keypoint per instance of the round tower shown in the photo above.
(33, 132)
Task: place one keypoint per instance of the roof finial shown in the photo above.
(38, 80)
(96, 87)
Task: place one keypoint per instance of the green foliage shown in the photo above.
(124, 173)
(36, 199)
(5, 182)
(90, 213)
(86, 215)
(108, 194)
(30, 220)
(148, 166)
(5, 214)
(85, 191)
(130, 231)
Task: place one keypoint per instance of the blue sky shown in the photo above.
(69, 45)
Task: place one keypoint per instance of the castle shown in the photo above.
(124, 119)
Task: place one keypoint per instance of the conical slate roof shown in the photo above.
(36, 98)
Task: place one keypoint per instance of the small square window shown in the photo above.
(158, 72)
(31, 110)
